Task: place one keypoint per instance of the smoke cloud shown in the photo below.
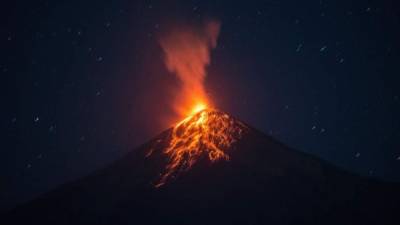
(187, 54)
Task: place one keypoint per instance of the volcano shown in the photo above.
(213, 169)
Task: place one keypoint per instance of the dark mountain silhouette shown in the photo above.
(263, 182)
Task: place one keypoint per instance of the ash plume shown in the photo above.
(187, 54)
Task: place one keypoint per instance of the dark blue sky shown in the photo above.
(88, 84)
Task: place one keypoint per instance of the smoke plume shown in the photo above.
(187, 54)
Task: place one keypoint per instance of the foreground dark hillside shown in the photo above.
(264, 182)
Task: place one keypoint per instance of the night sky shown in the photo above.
(87, 82)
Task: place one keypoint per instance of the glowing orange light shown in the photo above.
(198, 107)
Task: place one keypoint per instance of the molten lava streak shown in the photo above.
(207, 133)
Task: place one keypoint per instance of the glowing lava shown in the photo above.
(198, 107)
(208, 133)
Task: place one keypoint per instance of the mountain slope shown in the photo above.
(254, 180)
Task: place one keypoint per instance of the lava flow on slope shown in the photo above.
(208, 133)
